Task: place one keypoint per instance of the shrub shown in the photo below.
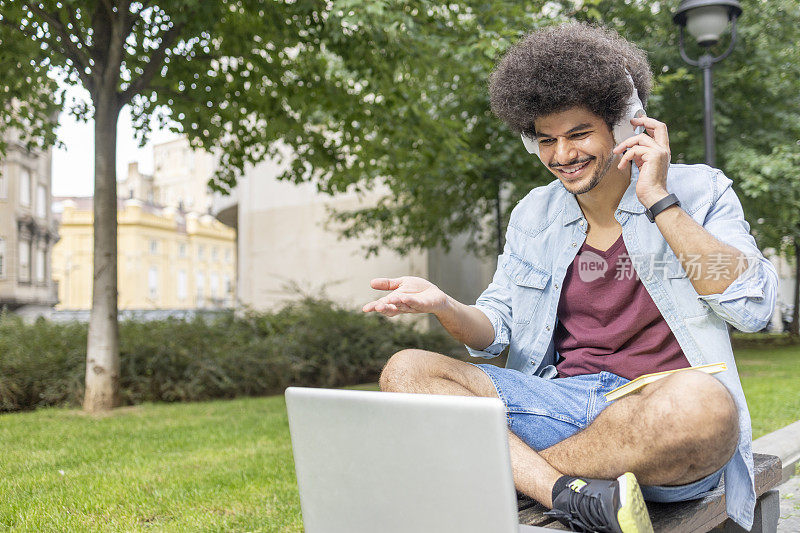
(41, 363)
(310, 342)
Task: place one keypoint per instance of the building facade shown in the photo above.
(179, 180)
(27, 230)
(287, 247)
(166, 258)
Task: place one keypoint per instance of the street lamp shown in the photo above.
(705, 20)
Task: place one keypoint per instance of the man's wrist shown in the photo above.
(447, 309)
(657, 208)
(653, 197)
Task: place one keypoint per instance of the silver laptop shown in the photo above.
(371, 461)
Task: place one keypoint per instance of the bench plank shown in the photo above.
(696, 515)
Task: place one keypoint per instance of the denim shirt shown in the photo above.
(545, 232)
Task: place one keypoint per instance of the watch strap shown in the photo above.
(659, 206)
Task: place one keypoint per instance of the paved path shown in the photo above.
(790, 506)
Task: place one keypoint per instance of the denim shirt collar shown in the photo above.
(629, 201)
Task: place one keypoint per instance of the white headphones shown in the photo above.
(622, 129)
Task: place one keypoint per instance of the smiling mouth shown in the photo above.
(573, 170)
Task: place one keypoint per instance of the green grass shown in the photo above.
(217, 466)
(771, 382)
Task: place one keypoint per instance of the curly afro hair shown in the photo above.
(564, 66)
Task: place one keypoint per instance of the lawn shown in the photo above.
(217, 466)
(771, 382)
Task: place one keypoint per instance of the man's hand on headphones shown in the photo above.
(650, 152)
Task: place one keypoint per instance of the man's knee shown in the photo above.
(423, 371)
(402, 370)
(702, 411)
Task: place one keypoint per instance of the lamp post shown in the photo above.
(705, 20)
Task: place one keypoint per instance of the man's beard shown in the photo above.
(598, 175)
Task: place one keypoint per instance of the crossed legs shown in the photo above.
(673, 432)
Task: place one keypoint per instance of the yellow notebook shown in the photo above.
(641, 381)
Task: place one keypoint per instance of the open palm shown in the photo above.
(409, 295)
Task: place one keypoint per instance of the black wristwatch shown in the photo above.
(656, 208)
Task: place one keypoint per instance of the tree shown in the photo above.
(364, 93)
(445, 178)
(344, 84)
(28, 97)
(757, 110)
(197, 56)
(772, 184)
(115, 50)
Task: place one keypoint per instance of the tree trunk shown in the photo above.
(102, 351)
(795, 329)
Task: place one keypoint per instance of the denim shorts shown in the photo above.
(543, 412)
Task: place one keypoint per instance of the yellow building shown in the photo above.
(167, 259)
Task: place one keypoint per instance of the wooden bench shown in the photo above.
(705, 514)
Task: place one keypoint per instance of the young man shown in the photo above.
(605, 276)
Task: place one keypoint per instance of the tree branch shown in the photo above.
(16, 27)
(155, 64)
(71, 50)
(109, 9)
(74, 22)
(116, 47)
(178, 95)
(130, 18)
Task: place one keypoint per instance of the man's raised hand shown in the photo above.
(409, 295)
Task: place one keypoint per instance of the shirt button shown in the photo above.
(556, 285)
(547, 328)
(574, 244)
(619, 211)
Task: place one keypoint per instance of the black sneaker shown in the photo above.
(603, 506)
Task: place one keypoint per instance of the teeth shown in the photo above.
(574, 169)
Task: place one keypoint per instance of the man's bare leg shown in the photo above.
(673, 432)
(651, 433)
(424, 372)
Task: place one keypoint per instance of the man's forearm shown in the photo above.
(710, 264)
(467, 324)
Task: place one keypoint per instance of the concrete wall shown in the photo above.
(180, 175)
(285, 239)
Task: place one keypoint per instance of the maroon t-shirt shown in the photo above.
(607, 320)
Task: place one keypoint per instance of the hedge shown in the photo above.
(309, 342)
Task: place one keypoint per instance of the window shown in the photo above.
(182, 249)
(152, 282)
(153, 246)
(41, 264)
(214, 253)
(2, 258)
(25, 187)
(41, 201)
(181, 285)
(24, 260)
(228, 285)
(201, 251)
(228, 255)
(201, 281)
(214, 282)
